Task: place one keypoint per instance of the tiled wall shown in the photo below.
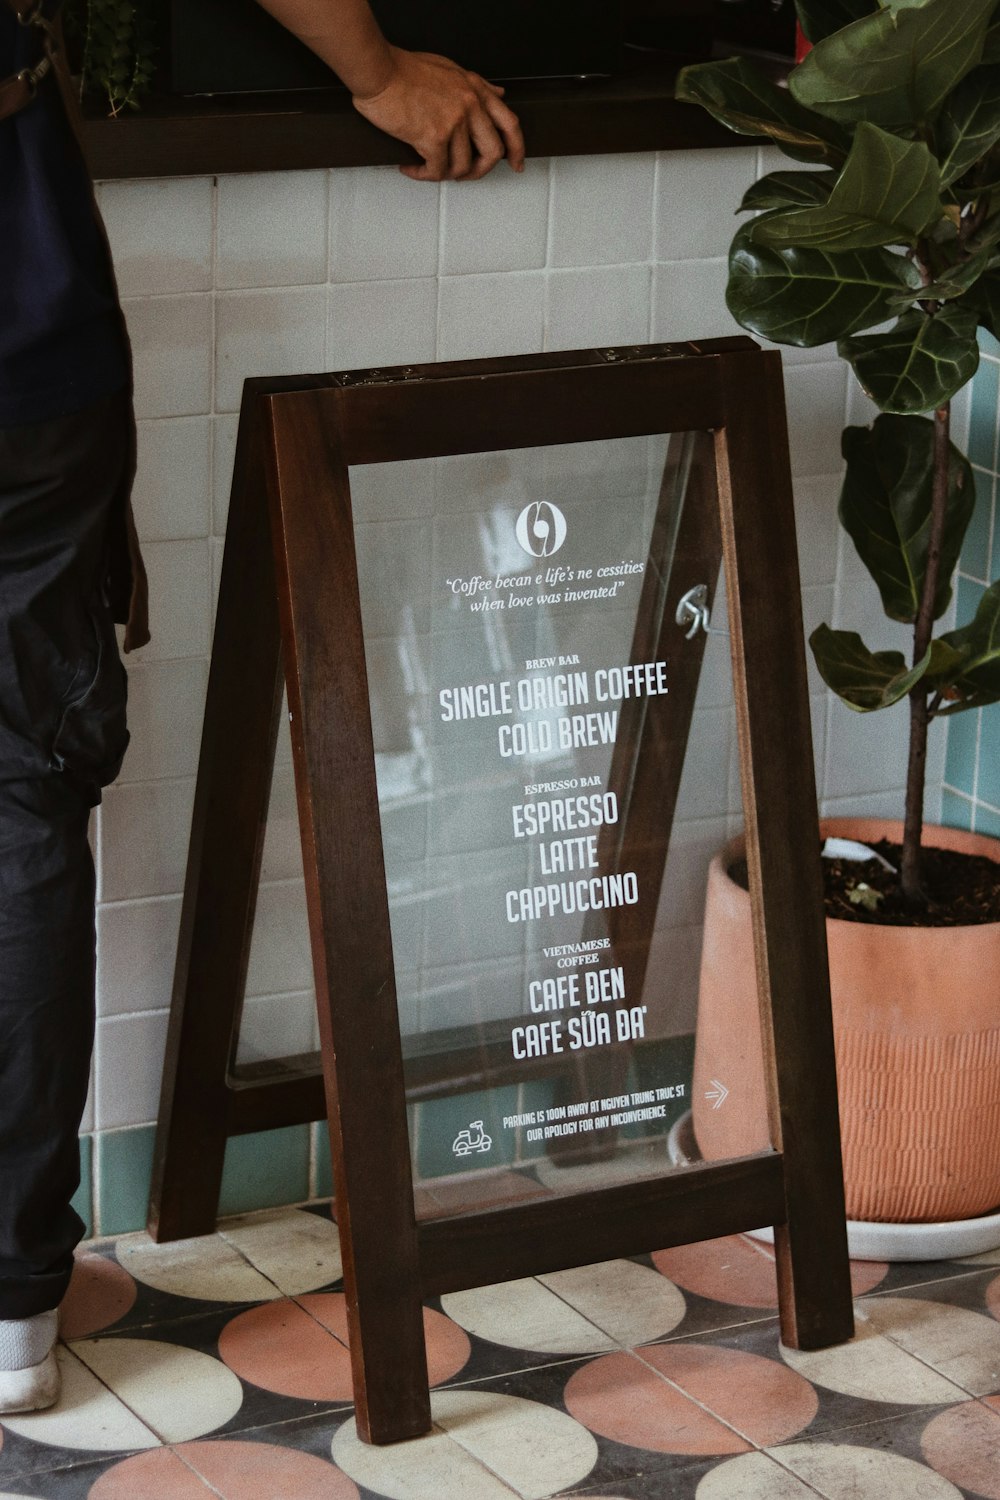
(299, 272)
(971, 795)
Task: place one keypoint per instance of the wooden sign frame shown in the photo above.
(289, 610)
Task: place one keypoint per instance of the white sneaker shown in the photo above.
(32, 1389)
(29, 1374)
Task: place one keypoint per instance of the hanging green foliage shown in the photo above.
(115, 42)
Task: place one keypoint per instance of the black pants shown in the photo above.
(62, 737)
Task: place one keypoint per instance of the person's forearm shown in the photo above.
(345, 34)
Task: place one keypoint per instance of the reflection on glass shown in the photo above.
(531, 699)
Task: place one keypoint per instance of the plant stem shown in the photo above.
(916, 771)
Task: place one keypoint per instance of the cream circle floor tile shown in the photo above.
(525, 1315)
(873, 1367)
(297, 1251)
(428, 1468)
(485, 1446)
(752, 1476)
(961, 1345)
(848, 1472)
(205, 1268)
(633, 1304)
(180, 1393)
(88, 1415)
(535, 1449)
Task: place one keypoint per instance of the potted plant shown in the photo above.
(886, 239)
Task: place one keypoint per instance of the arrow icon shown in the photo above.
(718, 1092)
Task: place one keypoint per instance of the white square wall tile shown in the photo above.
(277, 1026)
(129, 1069)
(484, 316)
(179, 600)
(382, 225)
(171, 354)
(166, 706)
(607, 305)
(601, 209)
(697, 195)
(266, 333)
(271, 229)
(160, 234)
(136, 952)
(865, 752)
(381, 323)
(689, 302)
(815, 397)
(173, 479)
(497, 224)
(817, 527)
(280, 956)
(226, 430)
(144, 836)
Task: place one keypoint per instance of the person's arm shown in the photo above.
(454, 119)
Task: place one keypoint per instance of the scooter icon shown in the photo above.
(472, 1139)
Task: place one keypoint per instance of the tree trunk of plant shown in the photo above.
(916, 771)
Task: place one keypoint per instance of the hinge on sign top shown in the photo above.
(632, 353)
(378, 377)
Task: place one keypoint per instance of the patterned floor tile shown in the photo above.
(963, 1444)
(219, 1367)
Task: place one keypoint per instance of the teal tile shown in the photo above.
(983, 416)
(440, 1122)
(83, 1198)
(975, 558)
(988, 784)
(322, 1184)
(987, 821)
(967, 599)
(124, 1168)
(995, 564)
(956, 811)
(988, 343)
(960, 756)
(268, 1169)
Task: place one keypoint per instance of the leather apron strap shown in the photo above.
(128, 585)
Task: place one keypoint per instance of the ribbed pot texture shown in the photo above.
(916, 1015)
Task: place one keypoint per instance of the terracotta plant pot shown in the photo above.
(916, 1015)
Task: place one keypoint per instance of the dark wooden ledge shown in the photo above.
(177, 137)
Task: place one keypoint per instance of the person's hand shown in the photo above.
(454, 119)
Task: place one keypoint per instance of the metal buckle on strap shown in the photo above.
(33, 16)
(33, 76)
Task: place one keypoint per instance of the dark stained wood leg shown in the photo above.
(349, 919)
(779, 795)
(227, 838)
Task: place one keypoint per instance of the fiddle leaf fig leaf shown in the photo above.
(865, 680)
(818, 18)
(806, 297)
(979, 644)
(984, 297)
(885, 508)
(946, 665)
(788, 190)
(888, 193)
(991, 51)
(920, 363)
(958, 279)
(740, 96)
(894, 68)
(969, 123)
